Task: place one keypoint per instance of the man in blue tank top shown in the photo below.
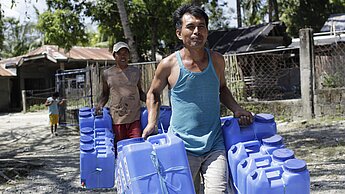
(195, 77)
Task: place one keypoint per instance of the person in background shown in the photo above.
(53, 103)
(122, 85)
(195, 77)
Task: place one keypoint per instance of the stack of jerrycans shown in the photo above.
(157, 165)
(97, 156)
(259, 161)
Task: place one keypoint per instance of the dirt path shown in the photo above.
(31, 161)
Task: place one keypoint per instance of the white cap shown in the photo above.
(119, 46)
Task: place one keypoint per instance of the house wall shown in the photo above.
(4, 94)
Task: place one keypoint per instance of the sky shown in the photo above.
(23, 9)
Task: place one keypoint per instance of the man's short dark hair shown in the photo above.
(56, 94)
(194, 10)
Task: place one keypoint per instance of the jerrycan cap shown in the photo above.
(295, 165)
(87, 148)
(85, 114)
(85, 109)
(85, 138)
(283, 154)
(274, 140)
(86, 130)
(264, 118)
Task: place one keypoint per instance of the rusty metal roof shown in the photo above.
(76, 53)
(5, 73)
(55, 54)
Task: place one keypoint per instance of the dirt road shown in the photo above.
(31, 161)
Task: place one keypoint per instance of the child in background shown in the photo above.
(53, 108)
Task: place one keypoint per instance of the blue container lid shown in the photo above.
(85, 109)
(84, 114)
(87, 148)
(86, 130)
(295, 165)
(283, 154)
(264, 118)
(85, 138)
(274, 140)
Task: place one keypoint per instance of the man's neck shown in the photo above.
(121, 66)
(196, 55)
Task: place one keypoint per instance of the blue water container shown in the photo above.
(102, 121)
(279, 156)
(108, 118)
(105, 171)
(225, 118)
(166, 166)
(123, 178)
(104, 132)
(291, 178)
(271, 143)
(85, 109)
(87, 165)
(246, 166)
(263, 126)
(86, 139)
(164, 119)
(233, 134)
(86, 119)
(163, 122)
(240, 151)
(87, 131)
(143, 117)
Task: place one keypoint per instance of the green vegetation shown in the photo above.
(36, 107)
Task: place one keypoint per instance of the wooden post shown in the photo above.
(307, 63)
(24, 100)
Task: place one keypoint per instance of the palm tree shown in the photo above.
(239, 15)
(127, 30)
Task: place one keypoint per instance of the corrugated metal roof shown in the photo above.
(76, 53)
(54, 54)
(245, 39)
(335, 22)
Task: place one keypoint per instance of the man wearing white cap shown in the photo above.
(121, 83)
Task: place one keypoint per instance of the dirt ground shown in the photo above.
(31, 161)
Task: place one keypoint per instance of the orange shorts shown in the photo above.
(53, 118)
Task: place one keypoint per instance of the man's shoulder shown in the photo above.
(169, 60)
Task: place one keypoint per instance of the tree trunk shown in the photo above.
(127, 30)
(270, 3)
(154, 39)
(239, 15)
(276, 10)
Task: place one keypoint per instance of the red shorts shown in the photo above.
(126, 131)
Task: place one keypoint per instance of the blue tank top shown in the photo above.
(196, 109)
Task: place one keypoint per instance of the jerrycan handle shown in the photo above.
(273, 173)
(159, 139)
(101, 150)
(99, 141)
(99, 132)
(263, 161)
